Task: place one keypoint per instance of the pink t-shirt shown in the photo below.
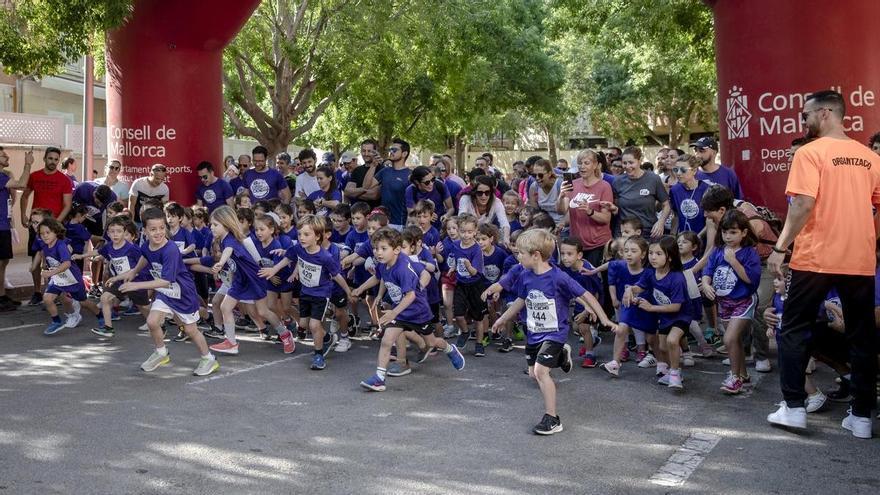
(591, 233)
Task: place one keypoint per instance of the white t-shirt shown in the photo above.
(305, 183)
(495, 212)
(142, 190)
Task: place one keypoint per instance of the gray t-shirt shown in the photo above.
(638, 198)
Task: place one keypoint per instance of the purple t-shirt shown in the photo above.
(547, 297)
(237, 185)
(686, 205)
(725, 281)
(353, 242)
(243, 269)
(166, 263)
(70, 279)
(84, 194)
(493, 264)
(671, 289)
(401, 279)
(123, 259)
(77, 236)
(472, 253)
(183, 239)
(620, 277)
(323, 211)
(5, 203)
(268, 260)
(437, 195)
(723, 176)
(214, 195)
(264, 185)
(433, 288)
(316, 271)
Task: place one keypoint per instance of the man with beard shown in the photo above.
(53, 191)
(833, 185)
(306, 182)
(7, 184)
(263, 182)
(355, 190)
(237, 183)
(391, 182)
(706, 148)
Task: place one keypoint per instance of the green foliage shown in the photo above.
(37, 37)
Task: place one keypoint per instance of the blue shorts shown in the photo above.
(250, 292)
(76, 292)
(638, 319)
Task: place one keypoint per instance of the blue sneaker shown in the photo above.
(456, 358)
(114, 316)
(131, 311)
(318, 362)
(53, 328)
(374, 383)
(462, 340)
(101, 321)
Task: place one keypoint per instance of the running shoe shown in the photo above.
(486, 340)
(344, 344)
(611, 367)
(461, 343)
(518, 334)
(841, 393)
(397, 369)
(674, 380)
(36, 299)
(647, 361)
(73, 319)
(155, 360)
(144, 328)
(206, 366)
(815, 401)
(664, 379)
(707, 350)
(53, 328)
(456, 358)
(479, 350)
(795, 417)
(687, 360)
(181, 336)
(566, 363)
(506, 346)
(548, 425)
(215, 333)
(114, 316)
(732, 385)
(624, 355)
(131, 311)
(225, 347)
(329, 341)
(103, 331)
(289, 344)
(318, 362)
(450, 331)
(860, 427)
(374, 383)
(589, 361)
(763, 366)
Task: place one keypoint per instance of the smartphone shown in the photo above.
(568, 177)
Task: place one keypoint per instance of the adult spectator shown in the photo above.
(638, 192)
(212, 192)
(306, 182)
(392, 182)
(482, 163)
(111, 179)
(524, 186)
(328, 159)
(687, 194)
(706, 148)
(354, 189)
(8, 184)
(481, 202)
(263, 182)
(583, 200)
(834, 183)
(95, 197)
(501, 185)
(613, 153)
(237, 182)
(545, 191)
(519, 174)
(616, 167)
(454, 184)
(68, 167)
(425, 185)
(347, 163)
(874, 143)
(229, 161)
(562, 166)
(151, 187)
(284, 164)
(53, 191)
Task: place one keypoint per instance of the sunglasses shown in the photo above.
(482, 192)
(159, 169)
(112, 167)
(680, 170)
(204, 177)
(540, 176)
(427, 182)
(393, 150)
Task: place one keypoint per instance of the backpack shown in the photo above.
(765, 214)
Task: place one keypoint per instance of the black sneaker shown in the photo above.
(4, 299)
(506, 346)
(548, 425)
(36, 299)
(7, 306)
(566, 359)
(841, 394)
(181, 336)
(104, 331)
(214, 333)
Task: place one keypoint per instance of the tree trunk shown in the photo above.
(336, 149)
(551, 146)
(459, 154)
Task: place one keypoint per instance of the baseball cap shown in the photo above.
(705, 142)
(328, 157)
(347, 157)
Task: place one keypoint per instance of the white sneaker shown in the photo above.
(792, 417)
(144, 328)
(687, 360)
(73, 319)
(648, 361)
(664, 380)
(726, 362)
(450, 331)
(343, 345)
(674, 380)
(763, 366)
(815, 402)
(860, 427)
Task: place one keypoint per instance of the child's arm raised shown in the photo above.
(129, 275)
(224, 257)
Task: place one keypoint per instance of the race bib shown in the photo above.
(309, 273)
(394, 292)
(541, 313)
(491, 272)
(173, 290)
(461, 268)
(181, 245)
(63, 279)
(724, 280)
(119, 265)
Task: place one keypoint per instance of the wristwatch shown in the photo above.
(780, 251)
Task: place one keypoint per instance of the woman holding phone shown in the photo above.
(544, 192)
(582, 199)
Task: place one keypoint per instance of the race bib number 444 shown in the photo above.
(541, 313)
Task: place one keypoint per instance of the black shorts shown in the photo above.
(683, 325)
(5, 245)
(203, 284)
(435, 312)
(81, 263)
(408, 326)
(313, 307)
(547, 353)
(138, 297)
(94, 227)
(296, 289)
(32, 238)
(466, 301)
(339, 300)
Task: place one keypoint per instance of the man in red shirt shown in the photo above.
(53, 191)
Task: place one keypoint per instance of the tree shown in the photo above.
(37, 37)
(648, 63)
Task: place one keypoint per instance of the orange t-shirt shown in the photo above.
(844, 177)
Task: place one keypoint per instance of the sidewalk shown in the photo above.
(19, 285)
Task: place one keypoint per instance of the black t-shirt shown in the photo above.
(357, 176)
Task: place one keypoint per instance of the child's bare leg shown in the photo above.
(548, 388)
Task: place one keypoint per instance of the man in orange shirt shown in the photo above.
(833, 184)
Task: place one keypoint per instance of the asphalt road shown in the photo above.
(77, 416)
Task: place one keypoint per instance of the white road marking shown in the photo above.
(29, 325)
(684, 461)
(245, 370)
